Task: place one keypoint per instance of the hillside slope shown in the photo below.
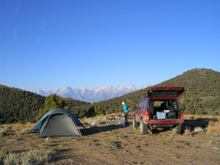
(18, 105)
(201, 82)
(202, 95)
(77, 107)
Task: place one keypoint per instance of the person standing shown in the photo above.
(125, 112)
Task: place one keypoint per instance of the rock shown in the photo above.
(198, 129)
(93, 123)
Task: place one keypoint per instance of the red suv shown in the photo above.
(160, 109)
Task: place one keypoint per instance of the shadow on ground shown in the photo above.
(60, 154)
(192, 124)
(99, 129)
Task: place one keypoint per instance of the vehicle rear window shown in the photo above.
(165, 104)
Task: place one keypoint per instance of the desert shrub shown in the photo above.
(113, 144)
(3, 153)
(214, 129)
(26, 131)
(4, 131)
(51, 102)
(18, 136)
(78, 108)
(47, 141)
(30, 157)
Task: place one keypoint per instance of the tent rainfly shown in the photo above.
(58, 122)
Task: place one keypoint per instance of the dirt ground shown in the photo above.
(120, 145)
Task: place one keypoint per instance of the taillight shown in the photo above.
(181, 115)
(147, 115)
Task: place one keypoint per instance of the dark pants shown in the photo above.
(126, 118)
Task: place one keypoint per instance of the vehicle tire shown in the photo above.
(143, 128)
(179, 129)
(134, 123)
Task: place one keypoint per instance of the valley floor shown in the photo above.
(109, 145)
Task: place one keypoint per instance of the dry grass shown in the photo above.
(47, 142)
(210, 118)
(25, 131)
(187, 132)
(18, 126)
(30, 157)
(117, 116)
(21, 127)
(113, 144)
(125, 142)
(101, 119)
(214, 123)
(214, 128)
(18, 129)
(3, 153)
(4, 131)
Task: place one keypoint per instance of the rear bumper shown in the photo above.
(165, 122)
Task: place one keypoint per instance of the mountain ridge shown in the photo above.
(90, 95)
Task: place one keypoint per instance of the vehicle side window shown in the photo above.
(145, 104)
(140, 104)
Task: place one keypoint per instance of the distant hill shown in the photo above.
(79, 108)
(3, 86)
(200, 82)
(202, 95)
(17, 105)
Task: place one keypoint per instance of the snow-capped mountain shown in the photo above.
(90, 95)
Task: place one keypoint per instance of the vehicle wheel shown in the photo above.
(134, 123)
(143, 128)
(179, 129)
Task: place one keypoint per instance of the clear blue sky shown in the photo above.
(89, 43)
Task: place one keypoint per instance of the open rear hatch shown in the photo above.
(164, 104)
(165, 91)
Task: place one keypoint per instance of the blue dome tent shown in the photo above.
(58, 122)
